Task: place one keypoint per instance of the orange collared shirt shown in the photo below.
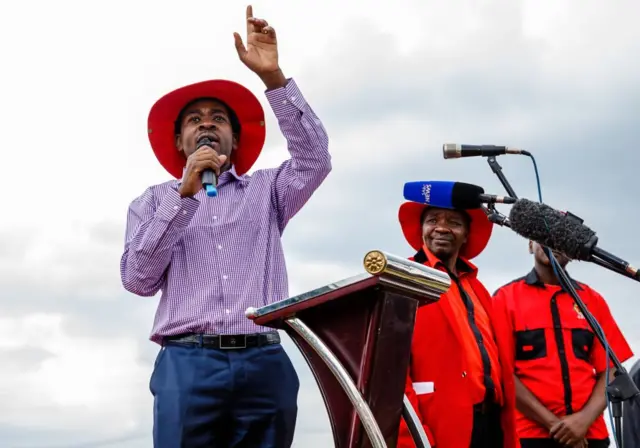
(476, 331)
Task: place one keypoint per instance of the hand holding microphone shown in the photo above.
(203, 161)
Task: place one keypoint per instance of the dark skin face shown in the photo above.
(208, 118)
(543, 264)
(444, 232)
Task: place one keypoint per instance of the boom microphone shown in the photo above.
(208, 177)
(561, 232)
(453, 195)
(455, 151)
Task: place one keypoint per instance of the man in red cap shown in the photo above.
(559, 364)
(220, 380)
(459, 383)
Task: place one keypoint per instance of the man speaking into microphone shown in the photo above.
(460, 382)
(220, 380)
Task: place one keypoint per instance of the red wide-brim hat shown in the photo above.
(479, 230)
(247, 108)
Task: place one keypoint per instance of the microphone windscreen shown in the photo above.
(549, 227)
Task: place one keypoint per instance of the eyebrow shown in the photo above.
(434, 214)
(215, 110)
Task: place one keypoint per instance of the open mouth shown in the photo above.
(207, 138)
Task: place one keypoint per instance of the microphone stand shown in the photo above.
(609, 261)
(497, 170)
(621, 388)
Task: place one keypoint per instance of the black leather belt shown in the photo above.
(224, 341)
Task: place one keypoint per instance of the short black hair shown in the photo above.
(464, 214)
(233, 118)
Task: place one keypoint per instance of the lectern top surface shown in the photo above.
(385, 270)
(356, 282)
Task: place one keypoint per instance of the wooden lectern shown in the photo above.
(356, 337)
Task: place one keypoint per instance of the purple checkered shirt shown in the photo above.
(212, 258)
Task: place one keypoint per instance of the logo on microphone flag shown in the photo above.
(426, 192)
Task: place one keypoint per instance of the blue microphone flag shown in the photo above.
(444, 194)
(437, 193)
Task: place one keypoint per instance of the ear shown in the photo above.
(234, 146)
(530, 247)
(179, 143)
(234, 142)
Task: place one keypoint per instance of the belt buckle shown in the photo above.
(233, 342)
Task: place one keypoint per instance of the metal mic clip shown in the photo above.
(495, 216)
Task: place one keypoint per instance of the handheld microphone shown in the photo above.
(453, 195)
(455, 151)
(562, 232)
(208, 177)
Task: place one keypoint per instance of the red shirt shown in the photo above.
(557, 356)
(447, 372)
(470, 325)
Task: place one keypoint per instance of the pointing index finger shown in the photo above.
(249, 24)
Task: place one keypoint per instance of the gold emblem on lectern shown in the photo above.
(375, 262)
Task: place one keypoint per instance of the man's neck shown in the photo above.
(450, 264)
(226, 167)
(546, 275)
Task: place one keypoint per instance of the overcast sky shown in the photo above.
(392, 82)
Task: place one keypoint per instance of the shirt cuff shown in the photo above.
(287, 100)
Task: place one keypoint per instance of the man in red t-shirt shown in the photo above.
(559, 364)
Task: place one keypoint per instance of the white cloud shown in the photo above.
(391, 81)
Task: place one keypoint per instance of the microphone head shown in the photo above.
(204, 141)
(444, 194)
(552, 228)
(451, 151)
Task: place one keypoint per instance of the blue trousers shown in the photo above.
(210, 398)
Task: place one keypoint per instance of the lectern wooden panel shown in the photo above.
(358, 331)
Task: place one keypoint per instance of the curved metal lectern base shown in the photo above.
(413, 423)
(359, 404)
(355, 335)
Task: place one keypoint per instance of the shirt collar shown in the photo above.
(224, 177)
(426, 257)
(532, 279)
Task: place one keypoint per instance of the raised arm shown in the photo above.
(151, 235)
(307, 140)
(310, 163)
